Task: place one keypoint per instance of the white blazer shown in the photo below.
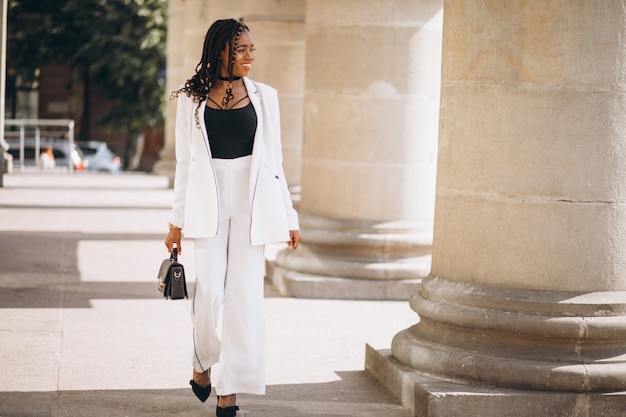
(196, 207)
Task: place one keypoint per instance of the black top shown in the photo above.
(231, 132)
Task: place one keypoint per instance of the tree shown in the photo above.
(119, 45)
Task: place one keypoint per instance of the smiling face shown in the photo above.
(243, 56)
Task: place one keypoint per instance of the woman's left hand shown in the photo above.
(294, 239)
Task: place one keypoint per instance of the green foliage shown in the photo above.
(120, 43)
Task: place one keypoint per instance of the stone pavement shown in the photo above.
(83, 331)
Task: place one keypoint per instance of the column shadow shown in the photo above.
(356, 394)
(40, 270)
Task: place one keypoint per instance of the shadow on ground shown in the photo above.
(332, 399)
(40, 270)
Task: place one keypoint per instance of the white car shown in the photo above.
(62, 155)
(100, 158)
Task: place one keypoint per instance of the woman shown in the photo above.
(231, 197)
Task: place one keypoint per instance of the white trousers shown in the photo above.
(227, 307)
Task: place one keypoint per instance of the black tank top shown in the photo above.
(231, 132)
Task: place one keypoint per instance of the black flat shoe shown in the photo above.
(226, 412)
(201, 392)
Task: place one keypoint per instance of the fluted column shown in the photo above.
(278, 32)
(369, 153)
(527, 293)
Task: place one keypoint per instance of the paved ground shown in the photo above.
(83, 331)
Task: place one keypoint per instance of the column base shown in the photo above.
(517, 338)
(302, 285)
(427, 396)
(354, 259)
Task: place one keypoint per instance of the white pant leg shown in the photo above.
(242, 361)
(230, 271)
(208, 298)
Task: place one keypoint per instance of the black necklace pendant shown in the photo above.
(219, 77)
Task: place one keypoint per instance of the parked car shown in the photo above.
(100, 157)
(61, 151)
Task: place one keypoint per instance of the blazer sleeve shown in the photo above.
(182, 135)
(292, 215)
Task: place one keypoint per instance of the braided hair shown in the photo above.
(222, 33)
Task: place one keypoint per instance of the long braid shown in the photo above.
(221, 33)
(231, 53)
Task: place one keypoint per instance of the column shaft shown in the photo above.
(528, 275)
(175, 72)
(279, 35)
(369, 157)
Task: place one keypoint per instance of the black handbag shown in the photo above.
(171, 277)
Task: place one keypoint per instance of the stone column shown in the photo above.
(369, 153)
(173, 77)
(527, 293)
(278, 31)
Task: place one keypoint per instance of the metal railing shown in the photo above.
(22, 124)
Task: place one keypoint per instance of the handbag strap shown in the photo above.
(174, 255)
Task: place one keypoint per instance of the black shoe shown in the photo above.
(201, 392)
(226, 412)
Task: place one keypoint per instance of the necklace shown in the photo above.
(219, 77)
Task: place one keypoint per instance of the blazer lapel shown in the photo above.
(257, 147)
(205, 134)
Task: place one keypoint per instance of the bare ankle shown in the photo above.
(202, 378)
(224, 401)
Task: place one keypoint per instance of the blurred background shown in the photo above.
(98, 63)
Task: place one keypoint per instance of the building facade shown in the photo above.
(465, 156)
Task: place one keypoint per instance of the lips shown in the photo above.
(247, 67)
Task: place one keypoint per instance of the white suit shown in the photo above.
(195, 207)
(231, 208)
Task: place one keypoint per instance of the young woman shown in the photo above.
(231, 198)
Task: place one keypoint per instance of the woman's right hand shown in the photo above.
(174, 238)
